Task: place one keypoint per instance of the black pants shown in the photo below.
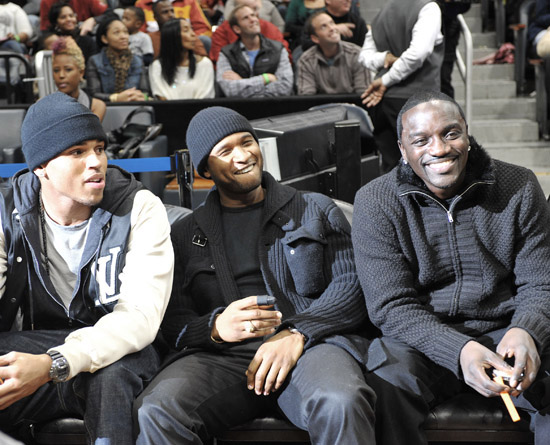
(408, 384)
(205, 392)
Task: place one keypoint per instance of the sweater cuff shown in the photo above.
(447, 351)
(537, 326)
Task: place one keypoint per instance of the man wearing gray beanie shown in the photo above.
(265, 286)
(86, 267)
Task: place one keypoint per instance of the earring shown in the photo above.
(469, 147)
(405, 162)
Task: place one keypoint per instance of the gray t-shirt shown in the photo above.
(65, 246)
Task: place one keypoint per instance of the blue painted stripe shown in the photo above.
(137, 165)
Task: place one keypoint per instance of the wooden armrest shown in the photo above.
(535, 62)
(517, 26)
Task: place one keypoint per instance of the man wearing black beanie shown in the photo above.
(86, 267)
(239, 353)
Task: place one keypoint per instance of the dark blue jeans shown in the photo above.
(103, 399)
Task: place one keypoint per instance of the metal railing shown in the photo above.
(465, 67)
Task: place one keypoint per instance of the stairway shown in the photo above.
(503, 123)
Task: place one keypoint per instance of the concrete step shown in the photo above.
(474, 11)
(486, 72)
(482, 40)
(474, 23)
(509, 108)
(504, 130)
(534, 155)
(485, 89)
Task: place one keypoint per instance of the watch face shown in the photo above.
(59, 370)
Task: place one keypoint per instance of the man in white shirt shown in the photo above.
(86, 267)
(404, 62)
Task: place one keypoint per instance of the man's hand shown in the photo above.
(475, 359)
(231, 75)
(517, 343)
(389, 60)
(345, 29)
(244, 319)
(374, 93)
(273, 361)
(87, 26)
(22, 375)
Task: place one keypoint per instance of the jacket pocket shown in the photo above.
(201, 280)
(304, 252)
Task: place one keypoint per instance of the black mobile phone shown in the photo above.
(266, 300)
(505, 376)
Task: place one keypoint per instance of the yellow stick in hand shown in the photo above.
(508, 402)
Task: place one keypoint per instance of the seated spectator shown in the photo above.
(351, 25)
(224, 35)
(68, 68)
(15, 30)
(266, 11)
(86, 272)
(86, 13)
(296, 15)
(115, 74)
(331, 66)
(453, 253)
(238, 355)
(140, 43)
(163, 11)
(158, 12)
(253, 65)
(63, 23)
(178, 73)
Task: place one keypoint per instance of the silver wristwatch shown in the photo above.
(59, 371)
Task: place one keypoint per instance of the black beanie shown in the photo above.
(210, 126)
(55, 123)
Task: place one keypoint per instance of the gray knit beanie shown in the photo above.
(55, 123)
(210, 126)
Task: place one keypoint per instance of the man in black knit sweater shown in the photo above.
(237, 357)
(453, 253)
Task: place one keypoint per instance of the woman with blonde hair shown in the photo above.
(68, 71)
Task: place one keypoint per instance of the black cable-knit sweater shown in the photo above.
(306, 259)
(437, 274)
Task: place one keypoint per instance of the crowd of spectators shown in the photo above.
(122, 44)
(136, 50)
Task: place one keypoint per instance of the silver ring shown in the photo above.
(249, 327)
